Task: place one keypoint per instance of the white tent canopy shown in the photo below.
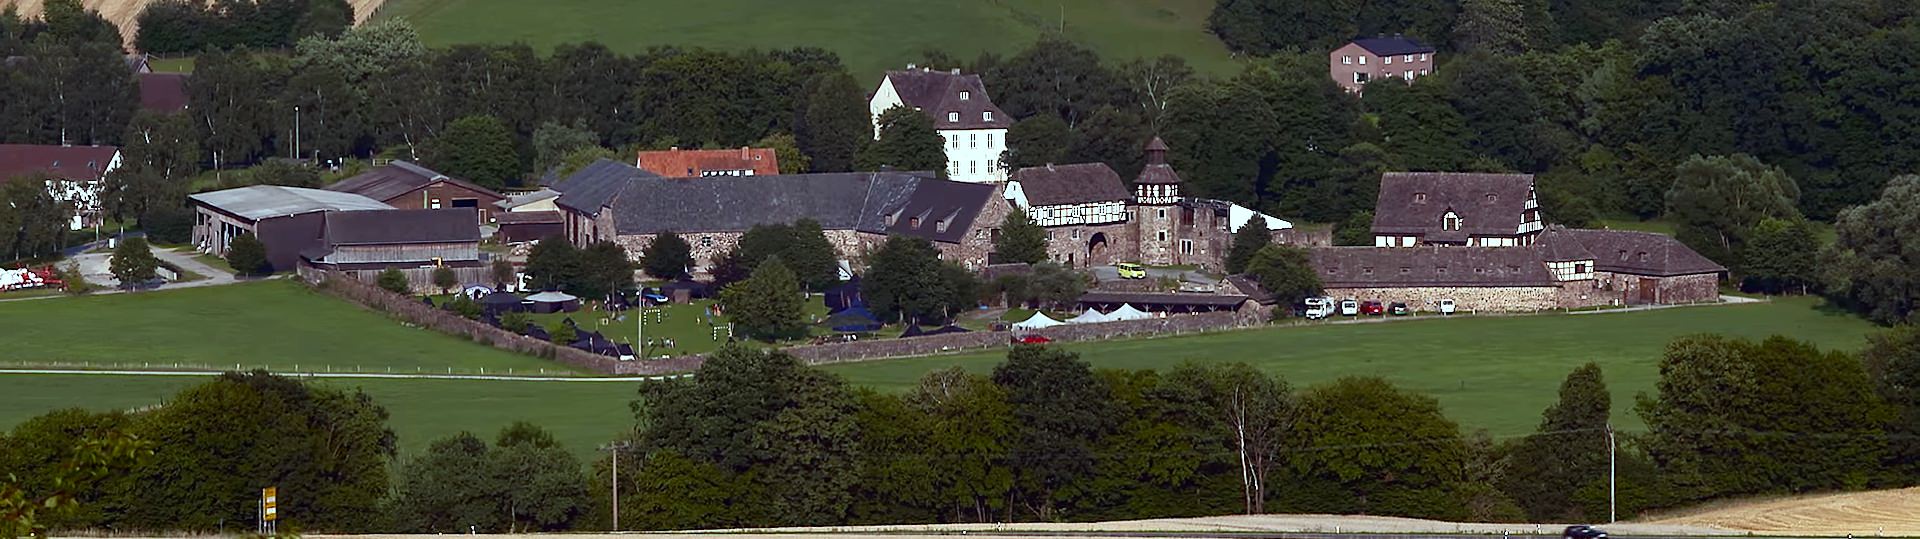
(1037, 321)
(1127, 312)
(551, 297)
(1092, 316)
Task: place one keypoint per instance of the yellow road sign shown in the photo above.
(269, 500)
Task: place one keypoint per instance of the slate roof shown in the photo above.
(77, 163)
(1157, 169)
(1641, 253)
(1081, 183)
(527, 217)
(864, 201)
(397, 179)
(258, 202)
(938, 92)
(1557, 244)
(163, 92)
(1392, 45)
(384, 227)
(1412, 203)
(1251, 288)
(678, 163)
(1384, 267)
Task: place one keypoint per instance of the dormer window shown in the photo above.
(1450, 221)
(1492, 198)
(1419, 198)
(965, 95)
(986, 116)
(913, 222)
(953, 117)
(1405, 270)
(940, 226)
(1643, 256)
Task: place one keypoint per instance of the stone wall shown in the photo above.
(986, 340)
(1315, 237)
(1680, 289)
(1072, 243)
(1465, 298)
(708, 247)
(977, 243)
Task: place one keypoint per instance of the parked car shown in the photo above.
(1031, 339)
(1349, 307)
(1583, 532)
(1129, 270)
(1316, 308)
(1446, 306)
(1372, 308)
(1399, 308)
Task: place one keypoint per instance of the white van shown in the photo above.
(1349, 307)
(1446, 306)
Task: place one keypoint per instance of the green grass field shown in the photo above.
(1489, 373)
(869, 35)
(278, 324)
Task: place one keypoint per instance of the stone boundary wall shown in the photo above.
(983, 340)
(1466, 298)
(413, 311)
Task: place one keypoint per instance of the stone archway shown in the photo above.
(1097, 249)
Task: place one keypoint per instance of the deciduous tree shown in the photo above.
(1285, 271)
(1062, 409)
(1249, 240)
(247, 255)
(1566, 454)
(133, 262)
(478, 149)
(667, 257)
(1716, 202)
(907, 142)
(1781, 256)
(1874, 269)
(767, 306)
(1371, 468)
(395, 281)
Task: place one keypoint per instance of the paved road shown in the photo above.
(94, 266)
(1109, 273)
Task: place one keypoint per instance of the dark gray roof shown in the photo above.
(381, 227)
(1640, 253)
(1251, 288)
(938, 92)
(1081, 183)
(1413, 203)
(1157, 169)
(1389, 46)
(1372, 267)
(875, 202)
(390, 181)
(1144, 299)
(1557, 244)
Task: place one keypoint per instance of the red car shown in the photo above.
(1031, 339)
(1372, 308)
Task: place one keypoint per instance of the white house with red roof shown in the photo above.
(974, 128)
(74, 175)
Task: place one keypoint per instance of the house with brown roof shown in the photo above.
(857, 210)
(363, 243)
(163, 92)
(1455, 208)
(1369, 59)
(678, 163)
(73, 175)
(974, 129)
(406, 185)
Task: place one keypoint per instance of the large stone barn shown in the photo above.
(614, 201)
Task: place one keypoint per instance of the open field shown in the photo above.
(1489, 373)
(1494, 373)
(1877, 513)
(278, 324)
(869, 35)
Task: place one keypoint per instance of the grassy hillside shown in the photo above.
(869, 35)
(1488, 373)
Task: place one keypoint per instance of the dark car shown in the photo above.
(1032, 339)
(1372, 308)
(1399, 308)
(1583, 532)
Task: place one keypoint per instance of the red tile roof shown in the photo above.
(78, 163)
(678, 163)
(163, 92)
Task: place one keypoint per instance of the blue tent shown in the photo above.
(845, 296)
(853, 320)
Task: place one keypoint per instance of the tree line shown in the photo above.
(755, 438)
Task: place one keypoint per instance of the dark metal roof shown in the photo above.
(938, 92)
(1488, 204)
(397, 179)
(591, 188)
(380, 227)
(163, 92)
(1082, 183)
(943, 210)
(1641, 253)
(1389, 46)
(1376, 267)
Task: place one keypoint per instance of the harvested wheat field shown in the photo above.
(123, 13)
(1880, 512)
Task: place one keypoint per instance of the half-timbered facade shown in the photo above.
(1451, 208)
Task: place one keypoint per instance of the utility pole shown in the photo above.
(1612, 516)
(616, 448)
(296, 131)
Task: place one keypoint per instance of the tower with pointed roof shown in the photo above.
(1157, 210)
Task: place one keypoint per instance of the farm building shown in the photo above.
(409, 186)
(287, 219)
(363, 243)
(678, 163)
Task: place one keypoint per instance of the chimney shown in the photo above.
(744, 154)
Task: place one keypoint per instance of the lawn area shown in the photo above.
(183, 64)
(581, 415)
(1491, 373)
(1656, 225)
(217, 262)
(869, 35)
(279, 324)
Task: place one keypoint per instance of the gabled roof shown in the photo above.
(76, 163)
(1389, 46)
(1082, 183)
(938, 92)
(1251, 288)
(1373, 267)
(163, 92)
(1557, 244)
(1104, 297)
(399, 178)
(678, 163)
(1414, 202)
(526, 198)
(256, 202)
(591, 188)
(383, 227)
(1640, 253)
(943, 210)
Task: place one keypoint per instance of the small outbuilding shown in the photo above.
(553, 302)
